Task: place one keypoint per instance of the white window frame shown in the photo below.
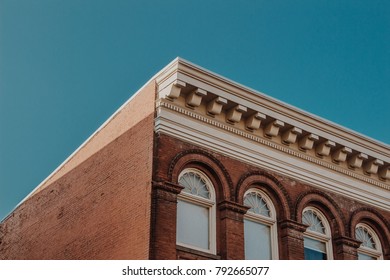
(268, 221)
(325, 238)
(375, 253)
(200, 201)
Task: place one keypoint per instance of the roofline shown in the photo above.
(290, 107)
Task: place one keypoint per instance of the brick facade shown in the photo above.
(232, 178)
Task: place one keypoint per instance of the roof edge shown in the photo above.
(313, 117)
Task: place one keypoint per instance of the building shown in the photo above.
(195, 166)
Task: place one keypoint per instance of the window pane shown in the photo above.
(365, 237)
(194, 184)
(192, 224)
(257, 241)
(314, 249)
(314, 255)
(314, 244)
(365, 257)
(257, 204)
(313, 221)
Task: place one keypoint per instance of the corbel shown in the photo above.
(341, 154)
(195, 98)
(272, 129)
(307, 142)
(290, 136)
(356, 161)
(384, 172)
(214, 107)
(254, 121)
(323, 149)
(371, 166)
(235, 113)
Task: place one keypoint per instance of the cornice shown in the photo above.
(292, 113)
(199, 94)
(273, 145)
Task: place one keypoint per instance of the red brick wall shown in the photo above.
(102, 208)
(98, 210)
(232, 178)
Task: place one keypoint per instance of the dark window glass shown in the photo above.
(311, 254)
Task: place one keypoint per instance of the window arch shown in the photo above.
(371, 248)
(260, 232)
(195, 223)
(317, 238)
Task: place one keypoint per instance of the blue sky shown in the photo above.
(66, 66)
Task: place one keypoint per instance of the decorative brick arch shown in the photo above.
(208, 164)
(271, 186)
(327, 206)
(376, 221)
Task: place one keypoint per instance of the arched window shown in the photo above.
(371, 248)
(260, 233)
(317, 238)
(196, 212)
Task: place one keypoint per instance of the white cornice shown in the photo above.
(203, 108)
(188, 72)
(171, 117)
(259, 113)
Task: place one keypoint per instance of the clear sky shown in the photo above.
(66, 66)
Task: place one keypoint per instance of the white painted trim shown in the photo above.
(254, 96)
(296, 118)
(208, 203)
(378, 253)
(327, 237)
(246, 150)
(269, 221)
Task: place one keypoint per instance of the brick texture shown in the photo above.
(98, 210)
(232, 178)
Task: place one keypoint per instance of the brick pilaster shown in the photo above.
(346, 248)
(163, 231)
(232, 230)
(291, 236)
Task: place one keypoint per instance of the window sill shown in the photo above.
(184, 253)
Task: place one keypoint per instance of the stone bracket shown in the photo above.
(384, 172)
(371, 167)
(235, 113)
(254, 121)
(290, 136)
(307, 142)
(356, 161)
(340, 155)
(195, 98)
(172, 91)
(215, 106)
(272, 128)
(323, 149)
